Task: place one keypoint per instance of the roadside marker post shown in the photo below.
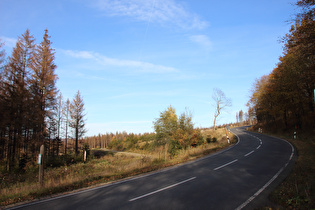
(227, 137)
(84, 156)
(41, 165)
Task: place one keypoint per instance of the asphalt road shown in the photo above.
(235, 178)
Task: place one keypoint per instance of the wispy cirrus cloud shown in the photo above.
(164, 12)
(202, 40)
(136, 66)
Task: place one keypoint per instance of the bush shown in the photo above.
(101, 153)
(116, 144)
(197, 138)
(208, 139)
(174, 148)
(214, 139)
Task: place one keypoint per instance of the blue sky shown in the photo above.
(132, 59)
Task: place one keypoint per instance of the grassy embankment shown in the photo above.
(23, 186)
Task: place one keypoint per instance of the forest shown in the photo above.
(284, 99)
(32, 109)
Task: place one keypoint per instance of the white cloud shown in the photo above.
(157, 11)
(8, 42)
(202, 40)
(136, 66)
(78, 54)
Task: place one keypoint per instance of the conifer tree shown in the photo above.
(16, 95)
(77, 115)
(43, 87)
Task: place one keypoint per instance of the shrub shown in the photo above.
(101, 153)
(197, 138)
(174, 148)
(208, 139)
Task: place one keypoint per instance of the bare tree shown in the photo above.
(77, 118)
(221, 102)
(241, 116)
(66, 113)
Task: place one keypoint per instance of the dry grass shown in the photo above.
(102, 170)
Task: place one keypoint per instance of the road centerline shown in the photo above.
(249, 153)
(229, 163)
(162, 189)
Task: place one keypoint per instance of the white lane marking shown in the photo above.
(261, 189)
(249, 153)
(229, 163)
(258, 147)
(271, 180)
(165, 188)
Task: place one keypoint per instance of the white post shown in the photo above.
(41, 165)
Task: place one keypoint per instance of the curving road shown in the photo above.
(234, 178)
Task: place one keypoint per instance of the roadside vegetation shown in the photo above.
(67, 173)
(283, 104)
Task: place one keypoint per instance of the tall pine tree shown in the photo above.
(43, 89)
(16, 96)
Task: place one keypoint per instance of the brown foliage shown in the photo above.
(285, 97)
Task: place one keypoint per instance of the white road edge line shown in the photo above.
(271, 180)
(225, 165)
(261, 189)
(249, 153)
(165, 188)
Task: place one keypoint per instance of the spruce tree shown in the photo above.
(43, 89)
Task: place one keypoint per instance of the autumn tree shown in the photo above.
(220, 103)
(285, 97)
(43, 85)
(77, 115)
(176, 132)
(2, 56)
(16, 97)
(166, 125)
(2, 101)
